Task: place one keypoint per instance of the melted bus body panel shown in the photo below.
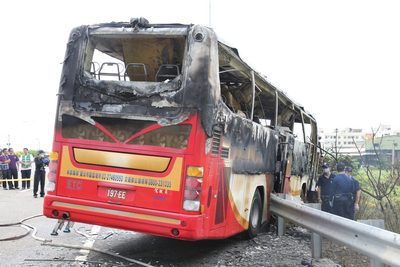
(172, 134)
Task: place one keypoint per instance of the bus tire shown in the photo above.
(303, 193)
(255, 216)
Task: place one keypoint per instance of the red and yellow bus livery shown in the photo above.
(172, 135)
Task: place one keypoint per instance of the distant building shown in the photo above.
(387, 147)
(351, 141)
(383, 130)
(344, 141)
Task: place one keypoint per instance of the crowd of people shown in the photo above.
(338, 194)
(11, 164)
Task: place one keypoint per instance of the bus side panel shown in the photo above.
(270, 185)
(296, 169)
(217, 219)
(232, 201)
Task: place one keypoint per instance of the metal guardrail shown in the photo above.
(373, 242)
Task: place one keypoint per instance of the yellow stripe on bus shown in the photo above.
(172, 181)
(116, 212)
(121, 160)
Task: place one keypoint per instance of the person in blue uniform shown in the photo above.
(40, 173)
(340, 194)
(4, 161)
(324, 185)
(356, 193)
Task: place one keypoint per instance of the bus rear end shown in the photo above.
(151, 183)
(127, 141)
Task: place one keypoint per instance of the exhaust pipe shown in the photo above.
(66, 215)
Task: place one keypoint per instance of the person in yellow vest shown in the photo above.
(26, 168)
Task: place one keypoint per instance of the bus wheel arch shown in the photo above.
(255, 216)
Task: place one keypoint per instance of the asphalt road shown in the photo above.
(17, 205)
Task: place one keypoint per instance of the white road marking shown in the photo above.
(24, 190)
(89, 243)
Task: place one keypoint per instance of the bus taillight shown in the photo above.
(51, 177)
(193, 185)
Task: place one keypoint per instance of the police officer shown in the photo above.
(341, 193)
(40, 173)
(324, 185)
(356, 193)
(4, 161)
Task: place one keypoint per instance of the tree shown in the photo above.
(32, 152)
(347, 160)
(381, 186)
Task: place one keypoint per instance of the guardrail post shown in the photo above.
(281, 226)
(378, 224)
(281, 221)
(316, 239)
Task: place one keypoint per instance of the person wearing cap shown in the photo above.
(324, 185)
(356, 193)
(40, 173)
(341, 193)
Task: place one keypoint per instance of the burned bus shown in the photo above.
(163, 129)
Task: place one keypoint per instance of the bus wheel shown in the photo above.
(255, 216)
(303, 193)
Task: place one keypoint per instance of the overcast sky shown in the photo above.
(339, 59)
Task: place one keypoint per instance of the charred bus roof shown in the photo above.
(141, 28)
(186, 53)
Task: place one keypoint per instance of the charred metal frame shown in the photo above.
(254, 148)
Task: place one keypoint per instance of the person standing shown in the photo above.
(14, 167)
(356, 193)
(340, 193)
(1, 173)
(324, 185)
(5, 170)
(40, 174)
(26, 168)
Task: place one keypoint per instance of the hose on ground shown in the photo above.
(26, 227)
(48, 241)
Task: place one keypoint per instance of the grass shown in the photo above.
(369, 206)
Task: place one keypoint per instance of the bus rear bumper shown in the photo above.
(161, 223)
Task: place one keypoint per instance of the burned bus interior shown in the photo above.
(135, 59)
(139, 61)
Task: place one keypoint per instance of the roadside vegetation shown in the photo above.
(32, 152)
(380, 187)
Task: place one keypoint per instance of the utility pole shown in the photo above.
(393, 155)
(8, 143)
(209, 13)
(336, 143)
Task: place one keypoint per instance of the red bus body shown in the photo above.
(153, 200)
(178, 158)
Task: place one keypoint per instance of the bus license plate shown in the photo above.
(116, 193)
